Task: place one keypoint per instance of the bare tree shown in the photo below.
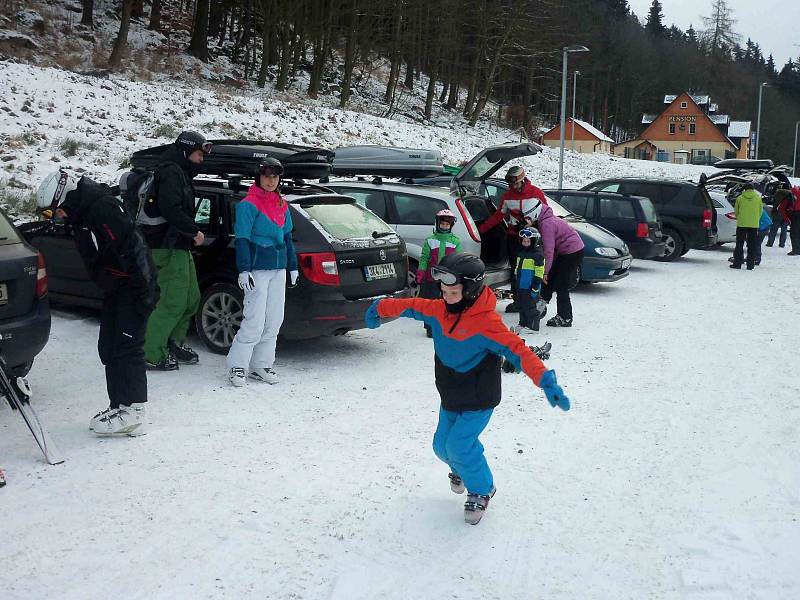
(155, 16)
(198, 46)
(719, 32)
(122, 36)
(87, 18)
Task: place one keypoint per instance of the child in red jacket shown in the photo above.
(469, 339)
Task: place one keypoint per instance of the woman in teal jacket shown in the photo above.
(264, 252)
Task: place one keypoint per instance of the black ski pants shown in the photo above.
(564, 270)
(794, 230)
(121, 347)
(528, 315)
(749, 234)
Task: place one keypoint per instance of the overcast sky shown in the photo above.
(771, 23)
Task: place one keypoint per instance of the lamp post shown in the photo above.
(758, 122)
(794, 158)
(574, 90)
(567, 50)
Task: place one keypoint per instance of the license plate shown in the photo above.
(372, 272)
(3, 294)
(626, 263)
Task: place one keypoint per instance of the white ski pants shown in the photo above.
(254, 344)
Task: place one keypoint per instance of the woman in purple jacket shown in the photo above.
(563, 252)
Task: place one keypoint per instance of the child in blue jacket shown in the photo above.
(529, 274)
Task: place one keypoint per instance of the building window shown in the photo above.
(672, 128)
(692, 128)
(684, 105)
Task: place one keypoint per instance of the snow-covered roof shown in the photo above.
(701, 100)
(647, 118)
(739, 129)
(594, 131)
(713, 107)
(719, 119)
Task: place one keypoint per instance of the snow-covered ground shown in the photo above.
(47, 113)
(675, 475)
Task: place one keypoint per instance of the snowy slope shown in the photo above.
(674, 476)
(110, 118)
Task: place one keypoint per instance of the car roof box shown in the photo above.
(744, 164)
(385, 161)
(241, 157)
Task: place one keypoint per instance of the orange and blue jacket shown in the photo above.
(468, 347)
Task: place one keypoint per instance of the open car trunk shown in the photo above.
(494, 248)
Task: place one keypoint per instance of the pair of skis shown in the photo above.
(543, 352)
(18, 394)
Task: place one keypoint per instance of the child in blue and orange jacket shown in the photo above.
(529, 273)
(469, 338)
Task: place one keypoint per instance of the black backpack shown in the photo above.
(138, 190)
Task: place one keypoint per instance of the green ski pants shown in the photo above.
(178, 303)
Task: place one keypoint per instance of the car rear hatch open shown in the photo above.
(232, 157)
(368, 258)
(486, 163)
(385, 161)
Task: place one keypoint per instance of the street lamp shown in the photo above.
(794, 158)
(567, 50)
(574, 89)
(758, 123)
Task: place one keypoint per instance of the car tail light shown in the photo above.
(473, 233)
(707, 218)
(41, 276)
(731, 216)
(320, 267)
(642, 230)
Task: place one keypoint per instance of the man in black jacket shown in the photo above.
(118, 261)
(171, 240)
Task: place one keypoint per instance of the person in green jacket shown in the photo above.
(442, 243)
(748, 210)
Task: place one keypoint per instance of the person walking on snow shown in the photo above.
(469, 339)
(442, 243)
(264, 252)
(119, 262)
(515, 207)
(529, 271)
(171, 242)
(563, 253)
(748, 209)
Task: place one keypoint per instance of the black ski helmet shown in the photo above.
(268, 165)
(189, 141)
(468, 270)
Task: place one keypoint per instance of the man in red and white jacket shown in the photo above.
(790, 208)
(520, 200)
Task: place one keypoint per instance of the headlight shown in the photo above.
(609, 252)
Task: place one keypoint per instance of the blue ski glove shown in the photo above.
(555, 395)
(371, 317)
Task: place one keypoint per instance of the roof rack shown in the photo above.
(241, 157)
(385, 161)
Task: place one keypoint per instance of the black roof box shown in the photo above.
(384, 161)
(240, 157)
(744, 164)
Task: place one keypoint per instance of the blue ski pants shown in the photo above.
(456, 443)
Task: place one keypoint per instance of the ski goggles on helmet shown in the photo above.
(448, 278)
(270, 171)
(529, 233)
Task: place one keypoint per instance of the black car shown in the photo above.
(688, 218)
(24, 306)
(347, 257)
(631, 218)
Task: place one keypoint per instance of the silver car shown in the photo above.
(726, 218)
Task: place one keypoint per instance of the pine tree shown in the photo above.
(655, 18)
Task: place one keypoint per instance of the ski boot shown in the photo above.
(264, 376)
(125, 420)
(476, 505)
(237, 377)
(183, 353)
(456, 484)
(559, 321)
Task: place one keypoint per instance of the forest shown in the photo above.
(504, 52)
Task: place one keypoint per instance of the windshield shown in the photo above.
(559, 210)
(480, 168)
(343, 219)
(650, 214)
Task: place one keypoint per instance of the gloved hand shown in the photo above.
(372, 318)
(293, 277)
(555, 395)
(420, 276)
(246, 281)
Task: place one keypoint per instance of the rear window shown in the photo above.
(417, 210)
(650, 213)
(577, 204)
(344, 219)
(8, 235)
(616, 208)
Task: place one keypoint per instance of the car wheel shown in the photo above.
(219, 316)
(673, 245)
(577, 279)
